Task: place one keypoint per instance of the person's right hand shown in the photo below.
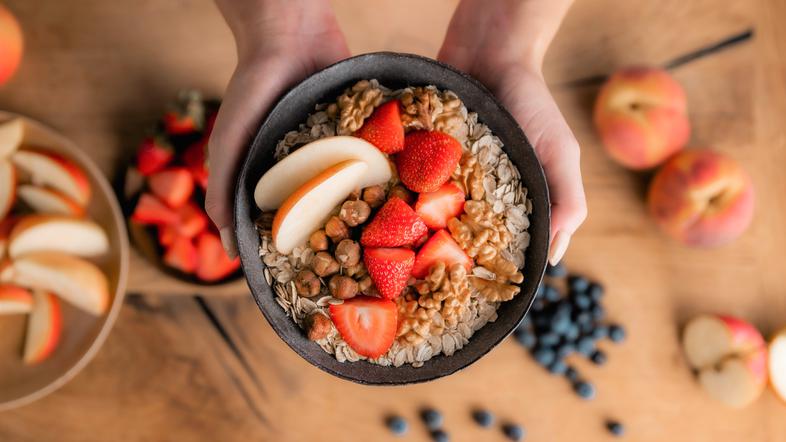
(279, 42)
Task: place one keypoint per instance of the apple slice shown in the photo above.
(291, 173)
(77, 281)
(57, 233)
(777, 364)
(11, 134)
(44, 327)
(6, 225)
(7, 187)
(50, 170)
(48, 201)
(730, 357)
(15, 299)
(309, 206)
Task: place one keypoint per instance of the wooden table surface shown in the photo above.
(187, 368)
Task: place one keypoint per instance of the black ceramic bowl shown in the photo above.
(392, 70)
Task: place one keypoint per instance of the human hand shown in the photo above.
(279, 42)
(502, 44)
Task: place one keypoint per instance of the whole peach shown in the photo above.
(641, 117)
(702, 198)
(10, 44)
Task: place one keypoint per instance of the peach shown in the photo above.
(11, 44)
(641, 117)
(702, 198)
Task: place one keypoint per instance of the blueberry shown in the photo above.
(483, 418)
(551, 294)
(565, 349)
(598, 357)
(615, 428)
(397, 425)
(544, 356)
(525, 338)
(600, 332)
(513, 432)
(595, 291)
(586, 327)
(432, 418)
(598, 312)
(558, 367)
(541, 322)
(538, 304)
(584, 318)
(557, 271)
(560, 324)
(572, 333)
(526, 321)
(584, 389)
(439, 436)
(578, 284)
(572, 374)
(585, 345)
(582, 301)
(616, 333)
(548, 339)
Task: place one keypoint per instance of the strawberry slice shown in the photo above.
(395, 225)
(192, 220)
(167, 234)
(428, 160)
(439, 248)
(389, 269)
(154, 154)
(187, 116)
(182, 255)
(173, 186)
(383, 128)
(367, 324)
(436, 208)
(195, 160)
(149, 210)
(213, 263)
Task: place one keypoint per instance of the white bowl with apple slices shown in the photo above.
(92, 263)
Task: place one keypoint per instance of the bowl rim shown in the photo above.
(242, 177)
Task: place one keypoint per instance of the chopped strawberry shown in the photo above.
(167, 234)
(150, 210)
(428, 160)
(187, 116)
(367, 324)
(395, 225)
(436, 208)
(439, 248)
(173, 186)
(213, 264)
(383, 128)
(154, 154)
(192, 220)
(182, 255)
(389, 269)
(196, 162)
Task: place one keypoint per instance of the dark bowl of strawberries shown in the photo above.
(392, 219)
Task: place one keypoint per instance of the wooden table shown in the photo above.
(190, 368)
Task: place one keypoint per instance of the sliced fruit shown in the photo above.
(182, 255)
(192, 220)
(6, 225)
(395, 225)
(307, 208)
(195, 159)
(389, 268)
(57, 233)
(367, 324)
(187, 116)
(154, 154)
(149, 210)
(777, 364)
(167, 234)
(7, 187)
(51, 170)
(383, 128)
(12, 133)
(428, 160)
(75, 280)
(47, 201)
(302, 165)
(173, 186)
(213, 264)
(15, 300)
(439, 248)
(44, 327)
(436, 208)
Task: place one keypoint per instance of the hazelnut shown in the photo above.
(324, 264)
(348, 253)
(317, 326)
(354, 212)
(307, 284)
(356, 270)
(318, 241)
(374, 195)
(400, 191)
(336, 229)
(355, 195)
(364, 284)
(343, 287)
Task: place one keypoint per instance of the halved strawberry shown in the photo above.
(213, 262)
(436, 208)
(439, 248)
(153, 155)
(194, 158)
(167, 234)
(428, 160)
(389, 269)
(187, 116)
(173, 186)
(367, 324)
(383, 128)
(395, 225)
(182, 255)
(192, 220)
(150, 210)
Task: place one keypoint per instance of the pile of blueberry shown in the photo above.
(433, 421)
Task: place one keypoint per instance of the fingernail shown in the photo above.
(558, 247)
(228, 241)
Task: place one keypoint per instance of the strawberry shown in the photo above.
(196, 162)
(154, 154)
(383, 128)
(182, 255)
(213, 263)
(149, 210)
(167, 234)
(187, 116)
(439, 248)
(436, 208)
(192, 220)
(428, 160)
(173, 186)
(367, 324)
(395, 225)
(389, 269)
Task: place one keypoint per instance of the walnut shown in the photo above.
(317, 326)
(318, 241)
(419, 106)
(324, 264)
(402, 192)
(348, 253)
(416, 323)
(452, 118)
(356, 104)
(469, 177)
(307, 284)
(336, 229)
(354, 213)
(494, 290)
(343, 287)
(374, 196)
(449, 292)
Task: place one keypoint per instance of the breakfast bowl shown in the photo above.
(273, 244)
